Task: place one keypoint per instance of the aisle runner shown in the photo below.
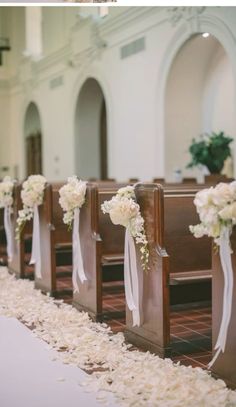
(30, 376)
(135, 378)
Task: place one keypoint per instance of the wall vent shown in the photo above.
(55, 82)
(132, 48)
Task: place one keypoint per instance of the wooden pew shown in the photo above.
(56, 242)
(22, 248)
(225, 365)
(3, 243)
(176, 258)
(186, 180)
(102, 245)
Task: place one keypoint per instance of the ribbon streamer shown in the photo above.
(226, 262)
(78, 267)
(131, 278)
(36, 250)
(9, 232)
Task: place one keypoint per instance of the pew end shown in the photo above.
(102, 245)
(179, 262)
(225, 365)
(17, 265)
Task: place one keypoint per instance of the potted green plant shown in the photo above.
(210, 150)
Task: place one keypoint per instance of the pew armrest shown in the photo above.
(112, 259)
(64, 246)
(190, 277)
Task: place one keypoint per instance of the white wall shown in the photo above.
(199, 98)
(133, 87)
(219, 96)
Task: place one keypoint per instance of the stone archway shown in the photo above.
(91, 132)
(199, 80)
(33, 140)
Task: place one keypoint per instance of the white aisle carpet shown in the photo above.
(29, 377)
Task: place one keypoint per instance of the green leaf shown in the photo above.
(211, 150)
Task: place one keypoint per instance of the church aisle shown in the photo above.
(134, 378)
(31, 378)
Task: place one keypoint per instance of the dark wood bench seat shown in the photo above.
(63, 246)
(112, 259)
(190, 277)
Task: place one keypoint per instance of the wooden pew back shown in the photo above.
(112, 238)
(61, 233)
(186, 252)
(167, 215)
(17, 265)
(102, 243)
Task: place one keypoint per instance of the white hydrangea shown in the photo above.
(123, 210)
(72, 196)
(6, 190)
(216, 208)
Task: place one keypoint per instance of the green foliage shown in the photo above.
(211, 150)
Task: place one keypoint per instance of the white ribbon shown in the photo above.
(226, 263)
(78, 267)
(131, 278)
(36, 251)
(9, 232)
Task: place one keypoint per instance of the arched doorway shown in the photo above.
(91, 132)
(33, 140)
(199, 98)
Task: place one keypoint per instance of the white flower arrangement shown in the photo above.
(32, 194)
(6, 190)
(123, 210)
(217, 212)
(72, 196)
(216, 207)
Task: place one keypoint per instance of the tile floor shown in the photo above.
(190, 326)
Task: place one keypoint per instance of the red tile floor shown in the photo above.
(190, 324)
